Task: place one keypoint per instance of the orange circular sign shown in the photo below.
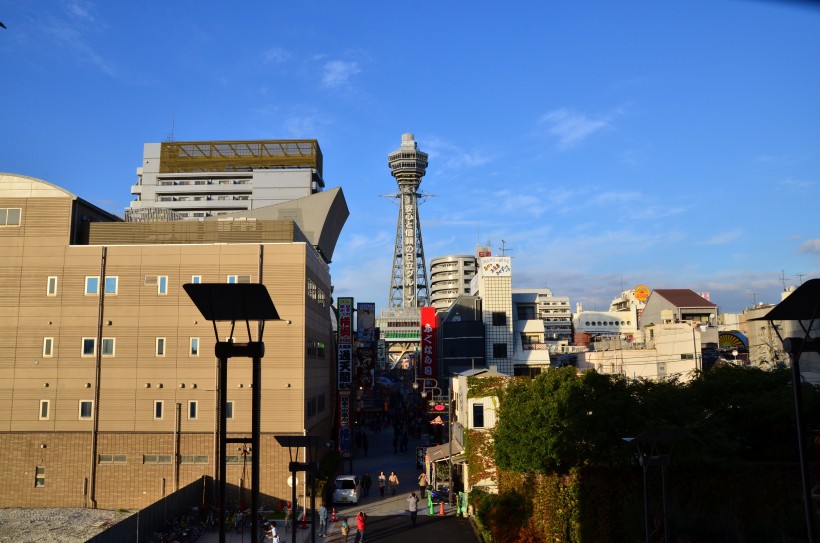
(642, 293)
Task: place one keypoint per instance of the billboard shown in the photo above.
(345, 352)
(496, 266)
(427, 361)
(642, 293)
(345, 426)
(366, 321)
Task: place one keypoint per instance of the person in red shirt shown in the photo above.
(361, 519)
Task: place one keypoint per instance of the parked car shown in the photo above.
(346, 489)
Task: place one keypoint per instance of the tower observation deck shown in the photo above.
(408, 282)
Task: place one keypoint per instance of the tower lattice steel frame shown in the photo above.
(408, 282)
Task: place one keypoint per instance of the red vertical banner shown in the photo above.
(427, 362)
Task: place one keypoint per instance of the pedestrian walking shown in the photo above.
(413, 507)
(394, 482)
(361, 520)
(322, 520)
(344, 529)
(423, 485)
(382, 483)
(367, 481)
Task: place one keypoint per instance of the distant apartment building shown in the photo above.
(450, 277)
(107, 396)
(198, 179)
(493, 284)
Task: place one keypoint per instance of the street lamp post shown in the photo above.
(236, 302)
(311, 445)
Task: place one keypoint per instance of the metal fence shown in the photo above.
(140, 527)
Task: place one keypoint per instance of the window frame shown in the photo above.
(112, 341)
(93, 352)
(90, 404)
(52, 284)
(161, 405)
(193, 410)
(476, 416)
(48, 347)
(39, 476)
(196, 279)
(7, 212)
(193, 347)
(47, 405)
(499, 318)
(96, 283)
(160, 352)
(229, 410)
(497, 348)
(162, 285)
(112, 280)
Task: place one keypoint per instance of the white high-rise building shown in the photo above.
(450, 277)
(198, 179)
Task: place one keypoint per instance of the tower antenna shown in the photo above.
(408, 279)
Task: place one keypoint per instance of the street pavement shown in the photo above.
(387, 517)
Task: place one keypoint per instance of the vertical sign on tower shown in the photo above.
(427, 361)
(345, 373)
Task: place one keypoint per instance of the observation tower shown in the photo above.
(408, 280)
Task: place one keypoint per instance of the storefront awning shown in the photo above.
(442, 452)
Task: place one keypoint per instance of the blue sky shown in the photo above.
(609, 144)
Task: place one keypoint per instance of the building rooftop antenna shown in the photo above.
(754, 297)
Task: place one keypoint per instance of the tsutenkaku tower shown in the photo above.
(408, 281)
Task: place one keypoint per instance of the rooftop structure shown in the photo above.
(199, 179)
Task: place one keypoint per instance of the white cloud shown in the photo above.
(723, 238)
(338, 72)
(276, 55)
(811, 246)
(452, 157)
(794, 184)
(571, 127)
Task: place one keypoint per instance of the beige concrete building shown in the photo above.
(107, 372)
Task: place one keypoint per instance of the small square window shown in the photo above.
(44, 409)
(111, 284)
(196, 279)
(162, 284)
(160, 346)
(108, 344)
(86, 409)
(192, 410)
(194, 347)
(228, 410)
(89, 346)
(48, 347)
(39, 476)
(499, 350)
(51, 288)
(92, 285)
(499, 318)
(158, 405)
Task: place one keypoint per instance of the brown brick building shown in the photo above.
(101, 348)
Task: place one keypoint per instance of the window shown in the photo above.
(228, 410)
(39, 476)
(160, 346)
(108, 346)
(196, 279)
(44, 407)
(158, 404)
(239, 279)
(499, 350)
(10, 216)
(194, 459)
(92, 285)
(239, 459)
(51, 288)
(89, 346)
(111, 284)
(162, 284)
(478, 415)
(499, 318)
(113, 459)
(48, 347)
(194, 350)
(156, 458)
(526, 312)
(192, 410)
(86, 409)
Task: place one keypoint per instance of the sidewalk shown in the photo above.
(388, 517)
